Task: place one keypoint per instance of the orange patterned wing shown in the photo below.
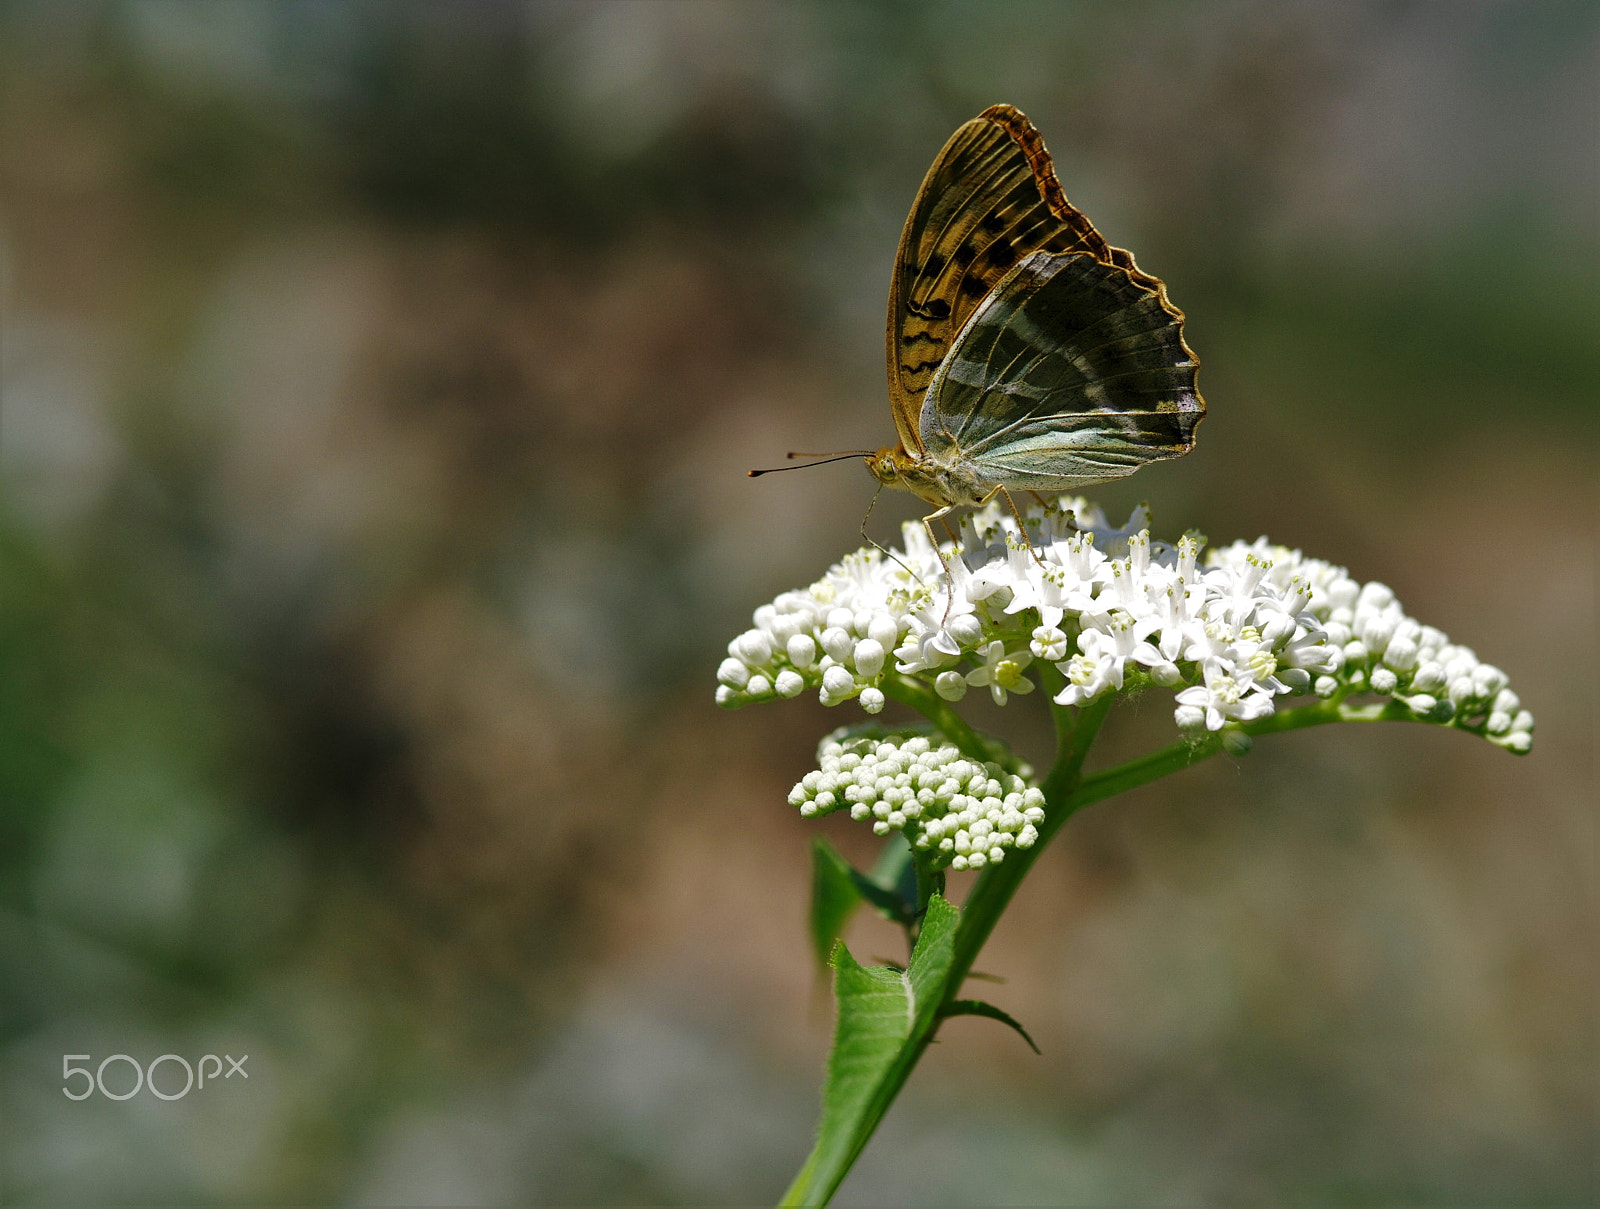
(990, 199)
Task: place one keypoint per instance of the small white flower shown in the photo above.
(1223, 698)
(1002, 671)
(1086, 679)
(1048, 643)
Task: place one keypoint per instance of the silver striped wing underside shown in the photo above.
(1070, 372)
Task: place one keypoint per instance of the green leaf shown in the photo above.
(834, 897)
(977, 1007)
(887, 888)
(895, 869)
(886, 1019)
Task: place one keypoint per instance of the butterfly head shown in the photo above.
(942, 484)
(889, 466)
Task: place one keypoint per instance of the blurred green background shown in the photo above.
(378, 385)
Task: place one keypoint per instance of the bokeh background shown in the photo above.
(378, 385)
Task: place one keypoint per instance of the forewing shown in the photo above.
(990, 199)
(1071, 372)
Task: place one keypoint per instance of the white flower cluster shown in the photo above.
(1110, 609)
(963, 813)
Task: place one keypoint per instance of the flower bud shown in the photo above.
(1401, 654)
(884, 631)
(1429, 678)
(733, 673)
(789, 683)
(836, 641)
(952, 686)
(1375, 596)
(802, 650)
(838, 682)
(753, 646)
(1277, 630)
(965, 629)
(869, 659)
(1236, 742)
(1489, 680)
(872, 699)
(786, 625)
(1376, 630)
(1343, 593)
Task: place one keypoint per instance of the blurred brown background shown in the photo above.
(379, 382)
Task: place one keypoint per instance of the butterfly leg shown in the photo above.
(885, 551)
(949, 582)
(1021, 526)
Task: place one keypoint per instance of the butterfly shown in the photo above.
(1024, 352)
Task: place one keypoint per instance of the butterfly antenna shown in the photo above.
(825, 458)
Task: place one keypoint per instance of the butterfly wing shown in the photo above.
(1072, 371)
(990, 199)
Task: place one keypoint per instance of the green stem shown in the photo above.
(992, 893)
(1066, 792)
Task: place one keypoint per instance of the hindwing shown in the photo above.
(1069, 372)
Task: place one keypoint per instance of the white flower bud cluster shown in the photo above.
(1111, 609)
(962, 813)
